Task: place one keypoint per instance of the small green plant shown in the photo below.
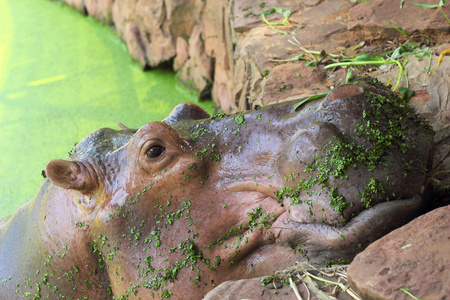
(432, 6)
(399, 28)
(286, 13)
(406, 291)
(317, 96)
(366, 59)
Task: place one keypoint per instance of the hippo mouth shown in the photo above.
(271, 237)
(286, 241)
(252, 213)
(262, 222)
(267, 239)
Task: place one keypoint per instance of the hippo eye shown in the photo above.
(155, 151)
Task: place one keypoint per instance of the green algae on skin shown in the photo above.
(192, 256)
(381, 129)
(258, 220)
(105, 251)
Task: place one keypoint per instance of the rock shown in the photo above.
(100, 10)
(370, 18)
(182, 53)
(146, 29)
(197, 70)
(251, 289)
(293, 79)
(262, 52)
(246, 14)
(415, 256)
(437, 112)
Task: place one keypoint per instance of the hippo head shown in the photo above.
(182, 205)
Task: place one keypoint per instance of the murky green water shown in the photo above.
(62, 76)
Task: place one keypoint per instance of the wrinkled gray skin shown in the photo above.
(179, 206)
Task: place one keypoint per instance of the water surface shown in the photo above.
(62, 76)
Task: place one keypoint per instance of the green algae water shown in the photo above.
(62, 76)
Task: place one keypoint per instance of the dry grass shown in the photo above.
(324, 283)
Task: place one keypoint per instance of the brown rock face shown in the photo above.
(196, 68)
(415, 256)
(99, 9)
(252, 289)
(146, 30)
(371, 17)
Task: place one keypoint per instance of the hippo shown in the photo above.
(179, 206)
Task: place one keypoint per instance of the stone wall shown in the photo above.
(223, 47)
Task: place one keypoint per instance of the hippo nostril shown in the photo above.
(298, 214)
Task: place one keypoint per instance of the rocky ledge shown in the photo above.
(413, 259)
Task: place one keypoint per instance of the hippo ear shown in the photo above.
(186, 111)
(344, 91)
(71, 175)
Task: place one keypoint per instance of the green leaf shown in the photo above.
(406, 290)
(297, 57)
(406, 93)
(284, 12)
(267, 12)
(296, 106)
(424, 5)
(406, 246)
(321, 55)
(368, 57)
(442, 2)
(401, 3)
(396, 53)
(312, 63)
(398, 28)
(350, 75)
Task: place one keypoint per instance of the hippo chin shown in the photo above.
(179, 206)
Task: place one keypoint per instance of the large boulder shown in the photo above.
(415, 257)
